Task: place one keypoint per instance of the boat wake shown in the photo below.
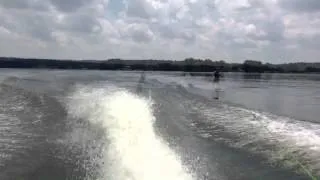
(132, 150)
(293, 143)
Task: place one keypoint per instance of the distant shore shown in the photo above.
(188, 65)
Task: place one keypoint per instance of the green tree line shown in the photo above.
(187, 65)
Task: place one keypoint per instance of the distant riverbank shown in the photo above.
(187, 65)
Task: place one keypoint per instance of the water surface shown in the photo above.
(106, 125)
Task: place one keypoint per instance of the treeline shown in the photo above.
(187, 65)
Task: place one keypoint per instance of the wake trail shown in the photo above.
(133, 151)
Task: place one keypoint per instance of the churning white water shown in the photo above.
(133, 151)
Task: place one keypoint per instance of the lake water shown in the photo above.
(107, 125)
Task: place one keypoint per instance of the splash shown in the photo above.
(133, 151)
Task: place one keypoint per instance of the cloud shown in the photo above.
(139, 8)
(301, 5)
(303, 30)
(69, 5)
(35, 25)
(80, 23)
(138, 32)
(36, 5)
(19, 4)
(268, 30)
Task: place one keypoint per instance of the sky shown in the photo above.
(274, 31)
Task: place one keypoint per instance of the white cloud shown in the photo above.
(269, 30)
(138, 32)
(306, 25)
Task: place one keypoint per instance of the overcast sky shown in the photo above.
(234, 30)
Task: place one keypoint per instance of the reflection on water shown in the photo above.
(141, 82)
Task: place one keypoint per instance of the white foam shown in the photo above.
(135, 152)
(292, 138)
(297, 134)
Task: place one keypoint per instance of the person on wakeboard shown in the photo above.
(217, 76)
(216, 80)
